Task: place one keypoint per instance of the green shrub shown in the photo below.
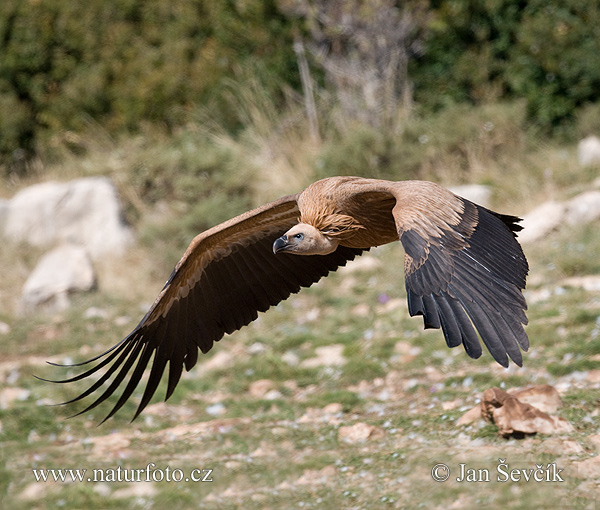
(126, 62)
(545, 52)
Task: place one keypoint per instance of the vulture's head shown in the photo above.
(304, 239)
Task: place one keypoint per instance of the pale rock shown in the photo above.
(478, 193)
(60, 272)
(257, 348)
(404, 352)
(122, 320)
(95, 313)
(103, 489)
(593, 376)
(518, 412)
(588, 151)
(333, 408)
(590, 283)
(11, 394)
(85, 212)
(312, 477)
(542, 396)
(291, 358)
(220, 361)
(595, 440)
(391, 305)
(359, 433)
(449, 405)
(364, 263)
(541, 221)
(330, 414)
(589, 468)
(513, 417)
(265, 449)
(137, 490)
(258, 389)
(549, 216)
(402, 347)
(273, 395)
(328, 355)
(584, 208)
(172, 411)
(571, 447)
(216, 409)
(109, 446)
(470, 416)
(559, 447)
(361, 310)
(38, 491)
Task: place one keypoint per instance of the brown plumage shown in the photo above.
(463, 268)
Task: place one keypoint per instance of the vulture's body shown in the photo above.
(464, 271)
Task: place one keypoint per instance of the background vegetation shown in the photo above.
(131, 65)
(215, 106)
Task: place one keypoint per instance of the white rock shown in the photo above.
(220, 361)
(359, 433)
(478, 193)
(584, 208)
(364, 263)
(95, 313)
(11, 394)
(62, 271)
(588, 151)
(216, 409)
(326, 356)
(84, 211)
(590, 283)
(541, 221)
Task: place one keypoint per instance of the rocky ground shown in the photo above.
(334, 399)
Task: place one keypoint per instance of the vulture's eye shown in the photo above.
(299, 236)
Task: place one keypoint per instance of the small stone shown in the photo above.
(588, 151)
(470, 416)
(589, 468)
(329, 355)
(62, 271)
(359, 433)
(10, 395)
(216, 409)
(258, 389)
(513, 417)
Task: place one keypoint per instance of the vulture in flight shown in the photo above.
(464, 272)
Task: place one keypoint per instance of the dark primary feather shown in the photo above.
(461, 280)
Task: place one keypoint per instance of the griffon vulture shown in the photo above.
(464, 271)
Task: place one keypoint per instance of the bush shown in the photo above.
(555, 63)
(545, 52)
(126, 62)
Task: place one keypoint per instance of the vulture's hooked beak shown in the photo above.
(280, 244)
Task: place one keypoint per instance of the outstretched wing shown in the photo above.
(464, 268)
(227, 275)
